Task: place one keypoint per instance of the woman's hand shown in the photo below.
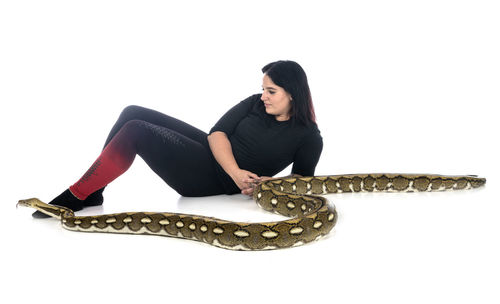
(245, 180)
(249, 191)
(252, 183)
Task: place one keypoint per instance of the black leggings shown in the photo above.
(178, 152)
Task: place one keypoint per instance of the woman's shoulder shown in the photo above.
(307, 135)
(311, 129)
(312, 135)
(251, 103)
(252, 98)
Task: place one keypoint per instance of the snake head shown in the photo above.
(30, 202)
(52, 210)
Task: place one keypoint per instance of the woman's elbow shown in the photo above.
(216, 134)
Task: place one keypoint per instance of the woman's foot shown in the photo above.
(95, 199)
(67, 199)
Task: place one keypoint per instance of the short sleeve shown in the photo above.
(307, 156)
(229, 121)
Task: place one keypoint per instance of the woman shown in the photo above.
(257, 138)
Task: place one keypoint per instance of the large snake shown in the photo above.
(297, 197)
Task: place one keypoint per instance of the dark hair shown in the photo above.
(291, 77)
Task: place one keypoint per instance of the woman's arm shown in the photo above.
(223, 153)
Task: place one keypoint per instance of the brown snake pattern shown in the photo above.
(312, 216)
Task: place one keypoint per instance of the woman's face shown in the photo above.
(276, 100)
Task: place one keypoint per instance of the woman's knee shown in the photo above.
(132, 112)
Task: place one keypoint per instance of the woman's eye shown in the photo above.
(271, 92)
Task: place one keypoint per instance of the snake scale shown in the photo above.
(312, 216)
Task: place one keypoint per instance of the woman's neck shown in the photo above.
(282, 117)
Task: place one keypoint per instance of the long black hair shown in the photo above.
(291, 77)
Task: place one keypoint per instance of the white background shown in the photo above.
(398, 86)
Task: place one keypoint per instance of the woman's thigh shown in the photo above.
(183, 163)
(159, 119)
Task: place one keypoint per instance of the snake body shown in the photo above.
(312, 216)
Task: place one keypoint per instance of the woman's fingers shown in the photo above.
(252, 180)
(253, 175)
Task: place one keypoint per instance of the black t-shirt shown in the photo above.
(265, 146)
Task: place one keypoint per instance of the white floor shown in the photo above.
(414, 248)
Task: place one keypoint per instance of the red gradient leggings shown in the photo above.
(176, 151)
